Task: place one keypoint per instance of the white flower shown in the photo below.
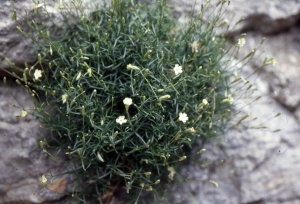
(121, 120)
(177, 69)
(44, 179)
(205, 102)
(241, 42)
(22, 114)
(127, 101)
(64, 98)
(183, 117)
(37, 74)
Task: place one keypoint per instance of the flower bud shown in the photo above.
(82, 110)
(39, 58)
(182, 158)
(214, 183)
(78, 76)
(146, 73)
(99, 157)
(163, 98)
(201, 151)
(72, 103)
(92, 115)
(129, 67)
(94, 93)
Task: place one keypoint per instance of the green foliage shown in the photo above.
(124, 89)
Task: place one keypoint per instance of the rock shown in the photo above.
(14, 46)
(22, 160)
(266, 17)
(262, 16)
(283, 78)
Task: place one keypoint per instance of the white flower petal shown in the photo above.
(127, 101)
(177, 69)
(37, 74)
(121, 120)
(183, 117)
(241, 42)
(64, 98)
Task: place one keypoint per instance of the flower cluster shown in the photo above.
(125, 103)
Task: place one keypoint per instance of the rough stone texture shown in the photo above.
(266, 17)
(260, 166)
(13, 45)
(262, 16)
(22, 162)
(283, 78)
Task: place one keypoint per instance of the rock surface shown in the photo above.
(265, 17)
(22, 162)
(13, 45)
(260, 166)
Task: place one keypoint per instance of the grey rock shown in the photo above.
(283, 77)
(22, 162)
(14, 46)
(262, 16)
(266, 17)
